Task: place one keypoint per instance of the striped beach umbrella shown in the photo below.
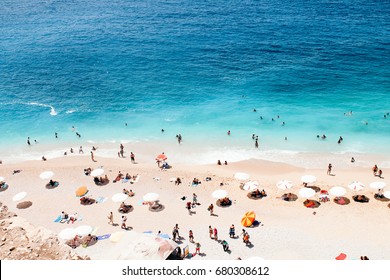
(248, 219)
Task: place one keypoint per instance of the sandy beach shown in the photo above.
(287, 230)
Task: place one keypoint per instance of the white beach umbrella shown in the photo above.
(218, 194)
(83, 230)
(251, 185)
(119, 197)
(151, 197)
(356, 186)
(337, 191)
(387, 194)
(1, 179)
(308, 179)
(67, 233)
(377, 185)
(97, 172)
(241, 176)
(46, 175)
(116, 236)
(307, 192)
(19, 196)
(284, 184)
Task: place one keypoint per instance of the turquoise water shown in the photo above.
(198, 69)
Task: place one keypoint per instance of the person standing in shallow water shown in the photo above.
(256, 144)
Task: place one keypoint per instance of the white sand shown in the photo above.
(288, 230)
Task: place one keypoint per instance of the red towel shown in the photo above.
(341, 257)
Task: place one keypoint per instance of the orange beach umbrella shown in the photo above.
(248, 219)
(161, 157)
(81, 191)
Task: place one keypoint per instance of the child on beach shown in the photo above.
(124, 219)
(232, 231)
(197, 249)
(211, 209)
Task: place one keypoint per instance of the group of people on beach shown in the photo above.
(376, 171)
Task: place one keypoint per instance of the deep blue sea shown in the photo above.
(198, 68)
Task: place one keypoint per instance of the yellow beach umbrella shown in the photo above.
(248, 219)
(81, 191)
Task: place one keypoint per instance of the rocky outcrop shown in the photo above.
(19, 240)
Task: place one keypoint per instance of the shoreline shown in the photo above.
(193, 153)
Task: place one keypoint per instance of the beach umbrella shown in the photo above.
(308, 179)
(284, 184)
(1, 179)
(151, 197)
(161, 157)
(83, 230)
(307, 192)
(248, 219)
(81, 191)
(97, 172)
(67, 233)
(356, 186)
(387, 194)
(241, 176)
(116, 236)
(251, 185)
(46, 175)
(19, 196)
(337, 191)
(119, 197)
(218, 194)
(377, 185)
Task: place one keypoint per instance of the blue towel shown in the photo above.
(101, 199)
(102, 237)
(57, 219)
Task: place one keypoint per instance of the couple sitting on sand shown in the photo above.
(288, 197)
(52, 184)
(196, 182)
(84, 241)
(87, 201)
(360, 198)
(258, 194)
(225, 201)
(101, 181)
(128, 192)
(124, 208)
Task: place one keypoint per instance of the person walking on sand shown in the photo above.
(132, 157)
(211, 232)
(194, 200)
(329, 169)
(232, 231)
(197, 248)
(176, 228)
(191, 236)
(124, 219)
(188, 206)
(93, 157)
(375, 169)
(380, 173)
(110, 218)
(215, 234)
(211, 209)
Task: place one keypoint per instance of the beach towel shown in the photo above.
(125, 180)
(57, 219)
(102, 237)
(141, 202)
(101, 199)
